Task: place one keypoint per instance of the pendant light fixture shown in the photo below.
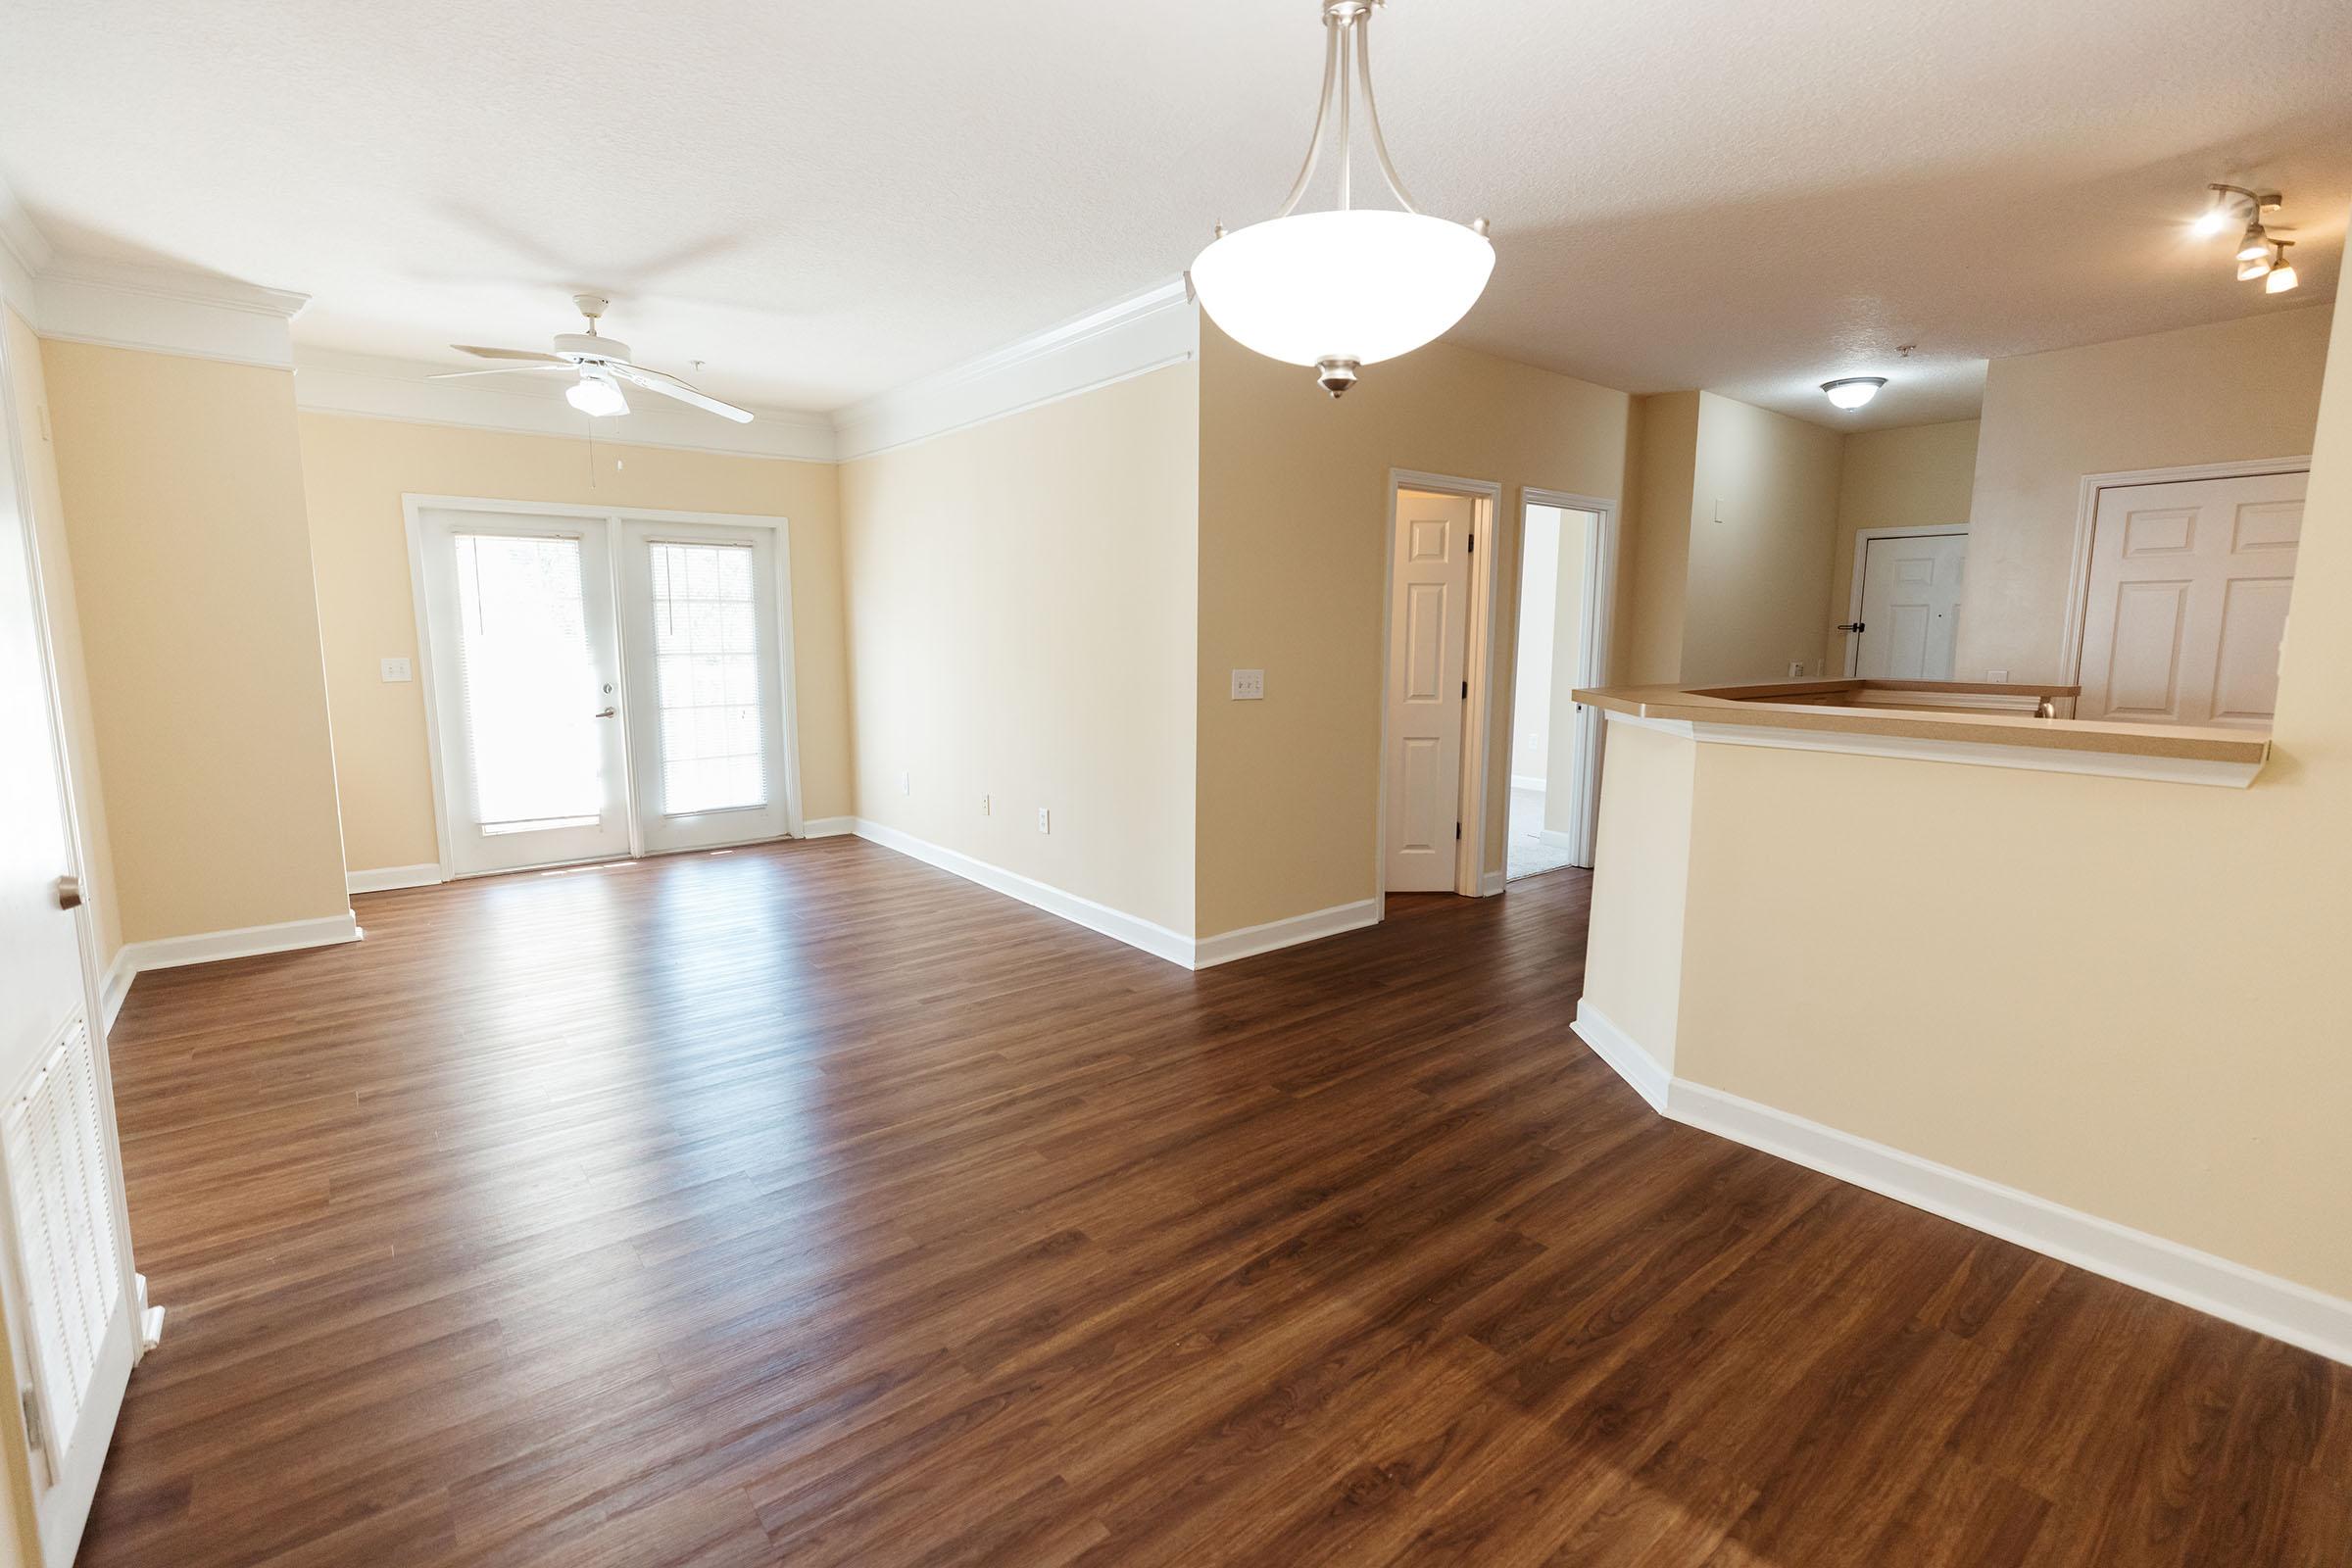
(2282, 276)
(1341, 289)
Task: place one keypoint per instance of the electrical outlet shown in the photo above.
(906, 783)
(395, 669)
(1045, 820)
(1796, 668)
(1249, 685)
(1999, 676)
(983, 806)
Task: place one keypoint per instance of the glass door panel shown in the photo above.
(701, 609)
(527, 681)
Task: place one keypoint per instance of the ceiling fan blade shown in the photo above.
(503, 370)
(480, 353)
(670, 387)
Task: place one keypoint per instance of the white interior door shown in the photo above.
(527, 673)
(1428, 657)
(71, 1307)
(1910, 606)
(706, 678)
(2189, 584)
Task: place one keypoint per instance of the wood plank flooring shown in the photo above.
(807, 1206)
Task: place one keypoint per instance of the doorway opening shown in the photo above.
(601, 684)
(1566, 565)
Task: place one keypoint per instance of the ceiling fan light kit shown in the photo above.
(1348, 287)
(600, 364)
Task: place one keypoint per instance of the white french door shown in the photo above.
(703, 668)
(604, 685)
(526, 676)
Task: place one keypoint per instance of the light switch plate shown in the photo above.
(395, 669)
(2000, 676)
(1045, 820)
(906, 783)
(1249, 685)
(1796, 668)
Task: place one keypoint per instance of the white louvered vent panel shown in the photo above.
(55, 1149)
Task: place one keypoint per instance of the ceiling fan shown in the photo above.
(602, 365)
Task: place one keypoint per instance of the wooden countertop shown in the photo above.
(1943, 713)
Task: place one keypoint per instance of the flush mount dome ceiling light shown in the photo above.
(1349, 288)
(1854, 390)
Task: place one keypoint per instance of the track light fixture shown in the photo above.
(2259, 255)
(2282, 276)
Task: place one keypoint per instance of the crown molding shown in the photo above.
(1143, 332)
(24, 252)
(370, 387)
(165, 309)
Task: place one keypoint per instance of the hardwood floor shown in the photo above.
(805, 1205)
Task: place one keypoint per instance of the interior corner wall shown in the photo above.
(181, 483)
(1763, 519)
(1658, 557)
(1294, 542)
(1914, 476)
(356, 471)
(1022, 623)
(2241, 389)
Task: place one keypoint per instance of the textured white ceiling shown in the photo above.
(823, 200)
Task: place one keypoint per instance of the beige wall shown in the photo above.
(1763, 519)
(1294, 535)
(354, 471)
(181, 481)
(2118, 994)
(1021, 599)
(2241, 389)
(1657, 555)
(1738, 511)
(30, 388)
(1919, 477)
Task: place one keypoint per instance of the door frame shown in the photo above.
(1486, 507)
(413, 506)
(1853, 609)
(2086, 523)
(1592, 658)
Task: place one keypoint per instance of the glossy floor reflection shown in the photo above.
(807, 1206)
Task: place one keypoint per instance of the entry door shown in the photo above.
(708, 727)
(528, 686)
(2189, 586)
(1428, 659)
(1910, 606)
(70, 1307)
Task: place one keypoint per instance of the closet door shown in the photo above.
(701, 631)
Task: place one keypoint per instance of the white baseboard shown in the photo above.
(1491, 882)
(1612, 1045)
(1522, 781)
(210, 946)
(385, 878)
(2264, 1302)
(1133, 930)
(113, 988)
(828, 827)
(1555, 838)
(1251, 940)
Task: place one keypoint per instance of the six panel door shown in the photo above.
(2189, 586)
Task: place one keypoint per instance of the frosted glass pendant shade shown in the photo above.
(1361, 285)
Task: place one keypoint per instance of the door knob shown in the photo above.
(606, 713)
(68, 893)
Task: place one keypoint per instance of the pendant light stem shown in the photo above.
(1347, 130)
(1346, 30)
(1379, 143)
(1314, 143)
